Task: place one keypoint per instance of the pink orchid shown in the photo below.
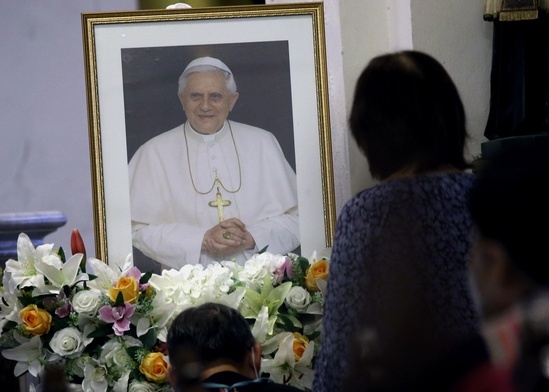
(119, 315)
(59, 304)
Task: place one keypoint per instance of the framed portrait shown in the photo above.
(133, 60)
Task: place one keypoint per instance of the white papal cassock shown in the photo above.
(170, 216)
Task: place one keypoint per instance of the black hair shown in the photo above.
(510, 204)
(216, 332)
(407, 112)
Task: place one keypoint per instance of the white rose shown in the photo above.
(141, 386)
(68, 342)
(114, 354)
(86, 301)
(298, 298)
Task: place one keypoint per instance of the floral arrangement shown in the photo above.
(107, 325)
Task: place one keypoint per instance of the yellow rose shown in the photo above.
(318, 270)
(36, 321)
(154, 367)
(128, 286)
(300, 344)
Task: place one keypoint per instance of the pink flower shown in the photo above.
(60, 305)
(119, 315)
(284, 270)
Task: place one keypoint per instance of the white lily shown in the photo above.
(261, 325)
(9, 311)
(95, 377)
(29, 355)
(122, 384)
(233, 299)
(284, 369)
(62, 274)
(106, 275)
(22, 272)
(157, 319)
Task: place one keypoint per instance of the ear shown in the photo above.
(253, 361)
(172, 379)
(257, 355)
(497, 263)
(234, 98)
(502, 268)
(498, 281)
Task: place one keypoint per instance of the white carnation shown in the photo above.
(298, 298)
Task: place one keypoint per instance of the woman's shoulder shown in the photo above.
(405, 192)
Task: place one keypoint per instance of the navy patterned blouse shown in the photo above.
(398, 266)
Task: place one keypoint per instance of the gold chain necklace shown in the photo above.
(217, 180)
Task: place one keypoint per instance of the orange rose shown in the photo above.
(36, 321)
(318, 270)
(128, 286)
(300, 344)
(154, 367)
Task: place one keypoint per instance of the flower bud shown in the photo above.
(77, 243)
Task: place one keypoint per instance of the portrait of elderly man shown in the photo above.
(211, 188)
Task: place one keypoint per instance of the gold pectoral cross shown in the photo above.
(219, 203)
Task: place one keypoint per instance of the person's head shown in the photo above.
(219, 335)
(207, 91)
(509, 206)
(407, 114)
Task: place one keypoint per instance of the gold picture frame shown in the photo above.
(294, 31)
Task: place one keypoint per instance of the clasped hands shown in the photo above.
(227, 238)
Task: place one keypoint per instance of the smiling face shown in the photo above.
(207, 101)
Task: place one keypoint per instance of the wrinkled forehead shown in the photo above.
(207, 80)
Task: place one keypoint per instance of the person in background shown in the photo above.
(398, 269)
(211, 189)
(510, 267)
(221, 339)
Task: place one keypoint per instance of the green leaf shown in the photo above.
(145, 278)
(67, 290)
(101, 331)
(9, 326)
(263, 250)
(304, 264)
(149, 339)
(61, 254)
(290, 323)
(26, 301)
(314, 335)
(119, 299)
(133, 351)
(59, 323)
